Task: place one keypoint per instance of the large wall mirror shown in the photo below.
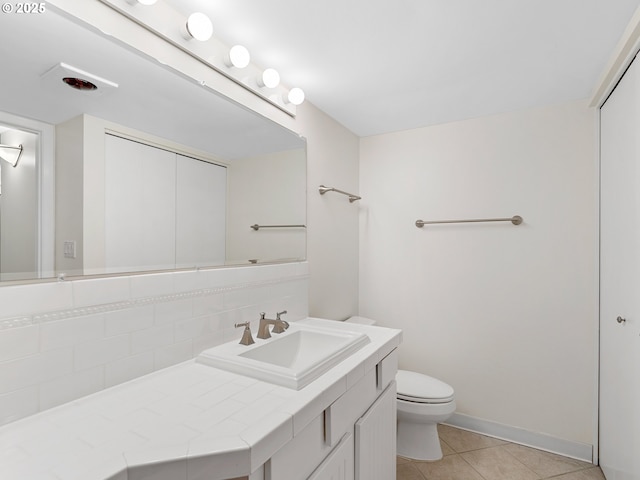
(148, 171)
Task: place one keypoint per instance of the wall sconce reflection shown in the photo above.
(11, 154)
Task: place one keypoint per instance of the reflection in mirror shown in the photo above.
(112, 209)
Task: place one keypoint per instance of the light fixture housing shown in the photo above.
(11, 154)
(295, 96)
(199, 26)
(270, 78)
(238, 57)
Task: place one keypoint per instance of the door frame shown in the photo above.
(45, 154)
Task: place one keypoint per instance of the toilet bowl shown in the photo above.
(422, 402)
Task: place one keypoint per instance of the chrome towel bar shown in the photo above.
(516, 220)
(352, 198)
(258, 227)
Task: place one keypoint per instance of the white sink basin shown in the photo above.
(291, 359)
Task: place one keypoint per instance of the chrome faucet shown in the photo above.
(246, 339)
(279, 325)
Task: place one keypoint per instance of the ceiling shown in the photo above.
(378, 66)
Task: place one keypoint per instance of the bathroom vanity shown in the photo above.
(195, 421)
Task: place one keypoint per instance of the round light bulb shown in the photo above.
(270, 78)
(295, 96)
(238, 57)
(199, 26)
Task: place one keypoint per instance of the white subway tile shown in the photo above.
(31, 370)
(128, 368)
(173, 354)
(236, 298)
(208, 304)
(168, 312)
(152, 285)
(70, 387)
(18, 404)
(192, 328)
(99, 291)
(18, 342)
(98, 352)
(187, 281)
(128, 320)
(203, 342)
(42, 297)
(151, 338)
(219, 277)
(70, 331)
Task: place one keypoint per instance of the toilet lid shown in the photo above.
(419, 388)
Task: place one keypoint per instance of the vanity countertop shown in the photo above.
(186, 422)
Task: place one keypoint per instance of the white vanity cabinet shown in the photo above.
(353, 438)
(342, 426)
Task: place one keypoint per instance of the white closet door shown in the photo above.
(201, 207)
(619, 281)
(139, 206)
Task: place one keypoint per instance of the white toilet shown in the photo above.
(422, 403)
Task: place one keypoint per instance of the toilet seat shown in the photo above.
(418, 388)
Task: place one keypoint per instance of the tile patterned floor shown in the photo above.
(470, 456)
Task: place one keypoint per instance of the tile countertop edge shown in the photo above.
(240, 454)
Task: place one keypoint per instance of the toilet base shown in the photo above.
(419, 441)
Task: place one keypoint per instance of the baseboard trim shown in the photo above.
(541, 441)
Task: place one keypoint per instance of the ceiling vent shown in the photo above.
(68, 78)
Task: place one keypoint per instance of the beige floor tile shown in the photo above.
(446, 449)
(482, 459)
(593, 473)
(451, 467)
(463, 441)
(408, 471)
(496, 463)
(543, 463)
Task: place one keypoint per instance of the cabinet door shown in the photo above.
(619, 429)
(375, 444)
(339, 464)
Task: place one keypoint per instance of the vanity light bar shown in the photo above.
(211, 52)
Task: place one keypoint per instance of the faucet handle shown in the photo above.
(280, 325)
(246, 339)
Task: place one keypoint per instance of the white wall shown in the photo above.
(332, 233)
(267, 190)
(505, 314)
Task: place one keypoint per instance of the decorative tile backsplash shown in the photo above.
(63, 340)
